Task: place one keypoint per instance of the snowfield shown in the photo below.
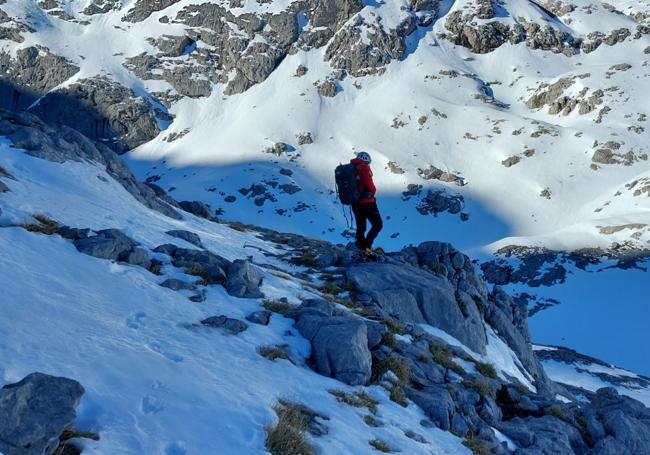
(156, 382)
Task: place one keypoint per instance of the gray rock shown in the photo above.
(197, 208)
(244, 280)
(213, 266)
(168, 248)
(102, 110)
(31, 74)
(138, 257)
(544, 434)
(233, 326)
(433, 295)
(437, 403)
(339, 343)
(35, 411)
(107, 244)
(3, 187)
(144, 8)
(177, 285)
(259, 317)
(188, 236)
(73, 233)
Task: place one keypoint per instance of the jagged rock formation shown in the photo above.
(32, 73)
(102, 110)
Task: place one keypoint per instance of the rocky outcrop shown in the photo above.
(32, 73)
(63, 143)
(407, 294)
(35, 411)
(362, 48)
(114, 245)
(188, 236)
(102, 110)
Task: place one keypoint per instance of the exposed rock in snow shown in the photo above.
(35, 411)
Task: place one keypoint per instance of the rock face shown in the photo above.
(339, 343)
(35, 411)
(62, 144)
(101, 110)
(408, 295)
(31, 74)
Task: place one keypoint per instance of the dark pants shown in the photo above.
(362, 214)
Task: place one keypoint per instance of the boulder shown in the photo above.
(107, 244)
(188, 236)
(230, 325)
(415, 295)
(139, 257)
(340, 347)
(214, 266)
(437, 403)
(35, 411)
(259, 317)
(244, 280)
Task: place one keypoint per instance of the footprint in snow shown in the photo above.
(136, 320)
(163, 351)
(151, 405)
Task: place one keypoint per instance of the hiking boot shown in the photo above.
(369, 251)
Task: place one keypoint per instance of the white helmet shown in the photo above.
(364, 156)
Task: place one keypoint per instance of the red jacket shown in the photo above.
(365, 183)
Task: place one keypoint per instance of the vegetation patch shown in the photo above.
(5, 173)
(43, 225)
(395, 327)
(202, 272)
(443, 355)
(356, 399)
(288, 435)
(281, 306)
(330, 288)
(486, 369)
(380, 445)
(402, 371)
(306, 259)
(557, 411)
(273, 352)
(372, 421)
(481, 386)
(477, 446)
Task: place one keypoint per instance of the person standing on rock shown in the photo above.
(365, 208)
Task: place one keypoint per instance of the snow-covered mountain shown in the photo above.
(516, 130)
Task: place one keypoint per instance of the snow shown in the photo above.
(498, 354)
(579, 375)
(156, 382)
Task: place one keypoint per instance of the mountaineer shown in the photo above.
(355, 187)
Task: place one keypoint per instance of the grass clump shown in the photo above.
(438, 269)
(557, 411)
(287, 436)
(380, 445)
(443, 355)
(481, 386)
(394, 327)
(306, 259)
(356, 399)
(402, 372)
(372, 421)
(486, 369)
(281, 306)
(477, 446)
(237, 226)
(5, 173)
(202, 272)
(273, 352)
(43, 225)
(156, 268)
(330, 288)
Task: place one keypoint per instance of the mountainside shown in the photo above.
(186, 335)
(513, 129)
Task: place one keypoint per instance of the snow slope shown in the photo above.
(155, 381)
